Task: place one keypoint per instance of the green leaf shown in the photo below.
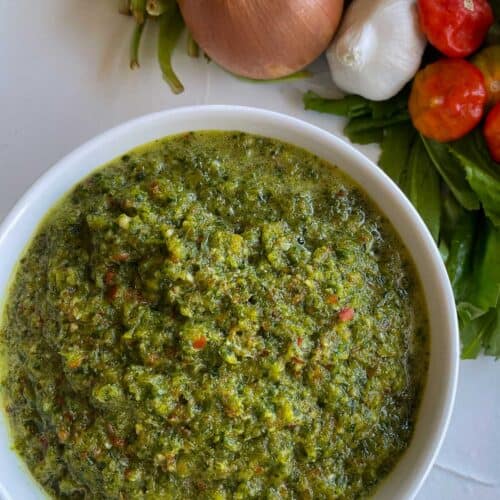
(355, 106)
(491, 342)
(421, 185)
(485, 290)
(396, 146)
(350, 106)
(369, 136)
(452, 212)
(474, 333)
(481, 172)
(461, 245)
(488, 190)
(452, 172)
(444, 251)
(391, 107)
(468, 312)
(364, 124)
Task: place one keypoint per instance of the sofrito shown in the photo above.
(214, 315)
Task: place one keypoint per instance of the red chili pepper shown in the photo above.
(199, 343)
(457, 28)
(447, 99)
(492, 132)
(346, 314)
(299, 341)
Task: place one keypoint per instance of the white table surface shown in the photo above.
(64, 78)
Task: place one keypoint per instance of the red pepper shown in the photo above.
(457, 28)
(447, 99)
(199, 343)
(299, 341)
(492, 132)
(346, 314)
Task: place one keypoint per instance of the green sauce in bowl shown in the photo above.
(214, 315)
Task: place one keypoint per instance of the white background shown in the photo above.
(64, 78)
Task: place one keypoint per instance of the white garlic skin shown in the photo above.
(378, 48)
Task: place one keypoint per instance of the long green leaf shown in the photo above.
(355, 106)
(491, 342)
(369, 136)
(364, 124)
(452, 172)
(461, 245)
(396, 146)
(468, 312)
(485, 292)
(422, 187)
(350, 106)
(488, 190)
(483, 175)
(474, 333)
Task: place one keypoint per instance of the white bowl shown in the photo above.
(434, 414)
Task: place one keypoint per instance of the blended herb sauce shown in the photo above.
(214, 316)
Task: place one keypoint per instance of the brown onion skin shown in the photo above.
(262, 39)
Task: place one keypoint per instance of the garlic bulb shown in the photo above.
(262, 39)
(378, 48)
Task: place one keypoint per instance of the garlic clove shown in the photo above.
(378, 48)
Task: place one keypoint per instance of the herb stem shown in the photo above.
(135, 45)
(192, 46)
(171, 26)
(138, 8)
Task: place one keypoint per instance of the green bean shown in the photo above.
(171, 25)
(192, 46)
(135, 44)
(138, 8)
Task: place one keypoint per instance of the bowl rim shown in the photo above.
(275, 120)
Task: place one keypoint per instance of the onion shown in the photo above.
(262, 39)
